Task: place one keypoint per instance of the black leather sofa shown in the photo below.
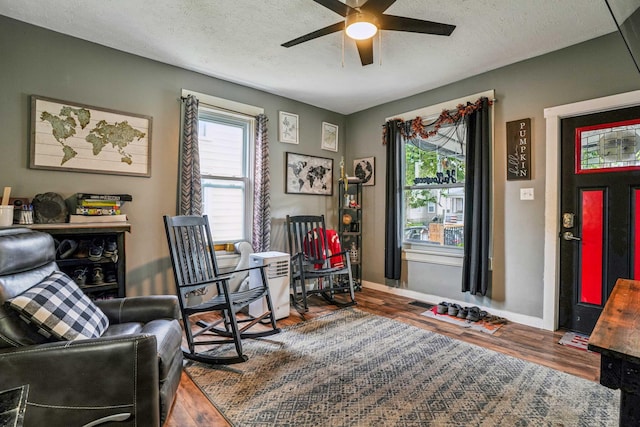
(126, 377)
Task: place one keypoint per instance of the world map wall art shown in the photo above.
(80, 138)
(309, 175)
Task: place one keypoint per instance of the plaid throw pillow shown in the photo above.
(59, 308)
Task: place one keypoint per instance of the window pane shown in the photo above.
(435, 216)
(222, 149)
(434, 189)
(223, 201)
(609, 146)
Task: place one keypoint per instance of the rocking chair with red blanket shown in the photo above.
(319, 266)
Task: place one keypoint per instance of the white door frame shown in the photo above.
(553, 116)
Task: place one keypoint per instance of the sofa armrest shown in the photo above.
(140, 309)
(75, 383)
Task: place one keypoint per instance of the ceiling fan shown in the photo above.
(362, 22)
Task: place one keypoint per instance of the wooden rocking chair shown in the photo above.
(312, 260)
(197, 278)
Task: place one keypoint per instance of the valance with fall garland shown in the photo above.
(416, 128)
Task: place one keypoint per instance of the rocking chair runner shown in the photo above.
(197, 277)
(312, 259)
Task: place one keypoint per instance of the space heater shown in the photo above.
(277, 272)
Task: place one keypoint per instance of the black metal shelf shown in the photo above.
(350, 205)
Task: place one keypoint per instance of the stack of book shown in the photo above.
(99, 208)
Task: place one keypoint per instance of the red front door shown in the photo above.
(600, 201)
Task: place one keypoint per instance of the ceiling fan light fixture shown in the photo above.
(361, 26)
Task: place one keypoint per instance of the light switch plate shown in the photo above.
(526, 194)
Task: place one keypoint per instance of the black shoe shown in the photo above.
(66, 248)
(110, 247)
(96, 250)
(110, 276)
(80, 276)
(97, 276)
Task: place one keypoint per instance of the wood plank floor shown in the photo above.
(192, 408)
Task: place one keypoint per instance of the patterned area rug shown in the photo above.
(351, 368)
(575, 340)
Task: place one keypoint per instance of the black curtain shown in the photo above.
(477, 188)
(393, 218)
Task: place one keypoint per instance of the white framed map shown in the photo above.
(329, 137)
(74, 137)
(309, 175)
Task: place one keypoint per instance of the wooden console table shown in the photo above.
(617, 338)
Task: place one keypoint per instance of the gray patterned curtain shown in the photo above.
(190, 201)
(261, 233)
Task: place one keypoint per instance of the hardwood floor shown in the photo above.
(192, 408)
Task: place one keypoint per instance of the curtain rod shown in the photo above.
(184, 98)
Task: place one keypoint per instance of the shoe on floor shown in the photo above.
(443, 307)
(475, 314)
(453, 309)
(463, 313)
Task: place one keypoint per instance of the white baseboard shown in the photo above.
(534, 322)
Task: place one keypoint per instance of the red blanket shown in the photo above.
(318, 250)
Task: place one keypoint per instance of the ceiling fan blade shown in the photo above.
(338, 26)
(377, 6)
(337, 6)
(365, 49)
(400, 23)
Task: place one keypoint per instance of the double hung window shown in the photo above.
(225, 143)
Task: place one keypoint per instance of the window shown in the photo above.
(225, 152)
(434, 188)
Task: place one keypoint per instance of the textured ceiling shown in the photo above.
(239, 41)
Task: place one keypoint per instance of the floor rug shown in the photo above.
(421, 304)
(575, 339)
(480, 326)
(351, 368)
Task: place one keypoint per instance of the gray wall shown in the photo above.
(35, 61)
(589, 70)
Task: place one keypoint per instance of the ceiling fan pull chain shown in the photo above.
(380, 47)
(343, 49)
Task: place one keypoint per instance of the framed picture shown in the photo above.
(73, 137)
(329, 137)
(365, 170)
(288, 127)
(309, 175)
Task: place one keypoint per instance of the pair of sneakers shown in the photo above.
(101, 248)
(80, 276)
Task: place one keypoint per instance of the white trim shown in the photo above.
(225, 104)
(434, 257)
(534, 322)
(553, 116)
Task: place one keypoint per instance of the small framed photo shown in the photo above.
(365, 170)
(288, 127)
(329, 137)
